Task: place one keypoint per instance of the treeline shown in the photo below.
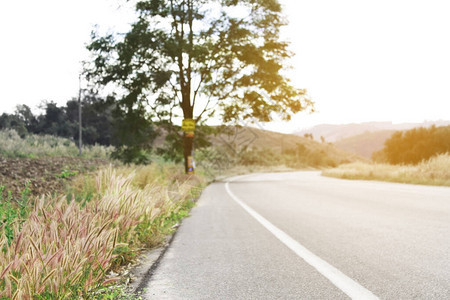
(104, 122)
(415, 145)
(62, 121)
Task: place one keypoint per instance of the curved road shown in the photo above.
(302, 236)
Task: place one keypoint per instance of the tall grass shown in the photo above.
(12, 145)
(13, 212)
(435, 171)
(64, 249)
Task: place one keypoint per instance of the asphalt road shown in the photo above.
(302, 236)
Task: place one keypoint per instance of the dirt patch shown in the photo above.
(45, 175)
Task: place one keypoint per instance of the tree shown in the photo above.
(132, 135)
(197, 59)
(26, 115)
(8, 121)
(415, 145)
(98, 120)
(54, 121)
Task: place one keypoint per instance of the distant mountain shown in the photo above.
(364, 138)
(333, 133)
(365, 143)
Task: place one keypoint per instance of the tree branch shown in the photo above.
(204, 110)
(191, 46)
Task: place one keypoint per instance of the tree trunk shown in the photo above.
(189, 153)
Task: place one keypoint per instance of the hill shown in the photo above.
(366, 143)
(249, 139)
(333, 133)
(238, 139)
(233, 146)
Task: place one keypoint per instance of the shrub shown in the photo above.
(415, 145)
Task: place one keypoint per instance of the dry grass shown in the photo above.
(435, 171)
(237, 146)
(12, 145)
(64, 249)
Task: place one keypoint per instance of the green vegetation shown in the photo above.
(67, 174)
(117, 292)
(13, 212)
(435, 171)
(65, 246)
(34, 146)
(196, 59)
(56, 248)
(103, 124)
(62, 121)
(415, 145)
(177, 57)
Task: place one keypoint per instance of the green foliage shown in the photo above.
(97, 119)
(112, 293)
(129, 129)
(13, 211)
(13, 122)
(134, 135)
(67, 174)
(172, 149)
(177, 215)
(122, 254)
(415, 145)
(131, 155)
(62, 121)
(197, 59)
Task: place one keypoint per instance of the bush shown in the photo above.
(415, 145)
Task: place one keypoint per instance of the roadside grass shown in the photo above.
(13, 212)
(435, 171)
(34, 146)
(64, 247)
(113, 293)
(74, 245)
(217, 162)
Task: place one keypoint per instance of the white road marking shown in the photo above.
(350, 287)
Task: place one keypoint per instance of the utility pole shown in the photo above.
(80, 143)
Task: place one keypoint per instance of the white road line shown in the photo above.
(350, 287)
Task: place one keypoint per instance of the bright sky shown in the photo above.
(384, 60)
